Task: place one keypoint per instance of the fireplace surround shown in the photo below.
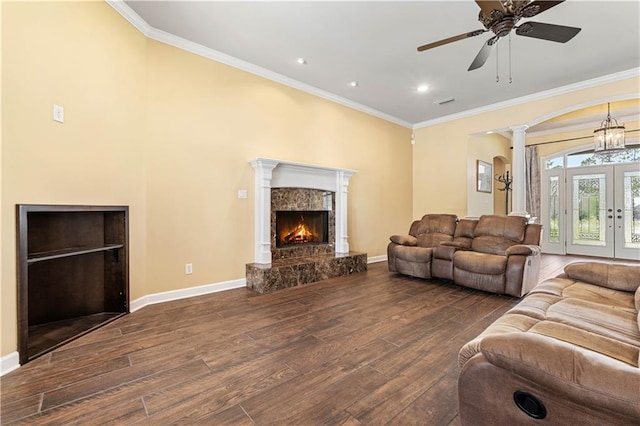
(282, 186)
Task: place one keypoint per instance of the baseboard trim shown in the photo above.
(376, 259)
(168, 296)
(9, 363)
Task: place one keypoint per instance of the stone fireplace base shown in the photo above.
(291, 272)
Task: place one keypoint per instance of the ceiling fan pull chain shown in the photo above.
(510, 59)
(497, 64)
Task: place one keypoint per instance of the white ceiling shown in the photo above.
(374, 43)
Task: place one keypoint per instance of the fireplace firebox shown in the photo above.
(297, 227)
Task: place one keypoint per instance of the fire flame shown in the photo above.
(300, 234)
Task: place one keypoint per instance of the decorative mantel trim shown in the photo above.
(270, 173)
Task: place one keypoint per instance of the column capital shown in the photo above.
(519, 129)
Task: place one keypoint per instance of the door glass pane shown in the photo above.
(589, 158)
(554, 210)
(632, 209)
(554, 163)
(589, 217)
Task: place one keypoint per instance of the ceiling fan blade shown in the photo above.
(536, 7)
(551, 32)
(483, 54)
(487, 6)
(450, 40)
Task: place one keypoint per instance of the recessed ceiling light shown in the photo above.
(354, 84)
(423, 88)
(302, 61)
(489, 132)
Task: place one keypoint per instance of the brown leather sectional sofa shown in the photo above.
(499, 254)
(567, 354)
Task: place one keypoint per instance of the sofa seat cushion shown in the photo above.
(480, 263)
(413, 254)
(597, 318)
(535, 305)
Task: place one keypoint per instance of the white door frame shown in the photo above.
(605, 247)
(556, 243)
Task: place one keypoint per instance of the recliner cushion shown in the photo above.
(480, 263)
(617, 277)
(495, 234)
(436, 223)
(432, 239)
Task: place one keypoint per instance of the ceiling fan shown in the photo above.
(501, 17)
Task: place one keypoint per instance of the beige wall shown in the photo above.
(443, 150)
(85, 57)
(169, 133)
(206, 120)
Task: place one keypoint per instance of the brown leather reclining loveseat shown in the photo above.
(567, 354)
(495, 253)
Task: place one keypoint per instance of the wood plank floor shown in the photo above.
(371, 348)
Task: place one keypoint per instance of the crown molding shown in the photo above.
(164, 37)
(622, 75)
(132, 17)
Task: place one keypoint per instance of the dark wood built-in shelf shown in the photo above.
(72, 251)
(73, 273)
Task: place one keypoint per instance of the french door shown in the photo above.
(603, 211)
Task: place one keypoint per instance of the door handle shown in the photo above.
(619, 217)
(619, 210)
(610, 217)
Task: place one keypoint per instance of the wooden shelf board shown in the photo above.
(73, 251)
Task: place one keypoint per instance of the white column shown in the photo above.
(262, 215)
(518, 172)
(342, 237)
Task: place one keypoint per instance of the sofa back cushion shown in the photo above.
(614, 276)
(434, 229)
(464, 232)
(494, 233)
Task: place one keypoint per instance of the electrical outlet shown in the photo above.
(58, 113)
(188, 268)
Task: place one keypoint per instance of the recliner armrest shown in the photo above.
(447, 249)
(404, 240)
(457, 244)
(522, 249)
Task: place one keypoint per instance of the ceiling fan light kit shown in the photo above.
(501, 17)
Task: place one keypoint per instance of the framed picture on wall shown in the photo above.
(484, 176)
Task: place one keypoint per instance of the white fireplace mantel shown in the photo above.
(271, 173)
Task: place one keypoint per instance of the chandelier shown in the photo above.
(610, 135)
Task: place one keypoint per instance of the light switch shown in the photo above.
(242, 194)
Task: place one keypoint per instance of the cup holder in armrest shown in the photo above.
(530, 405)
